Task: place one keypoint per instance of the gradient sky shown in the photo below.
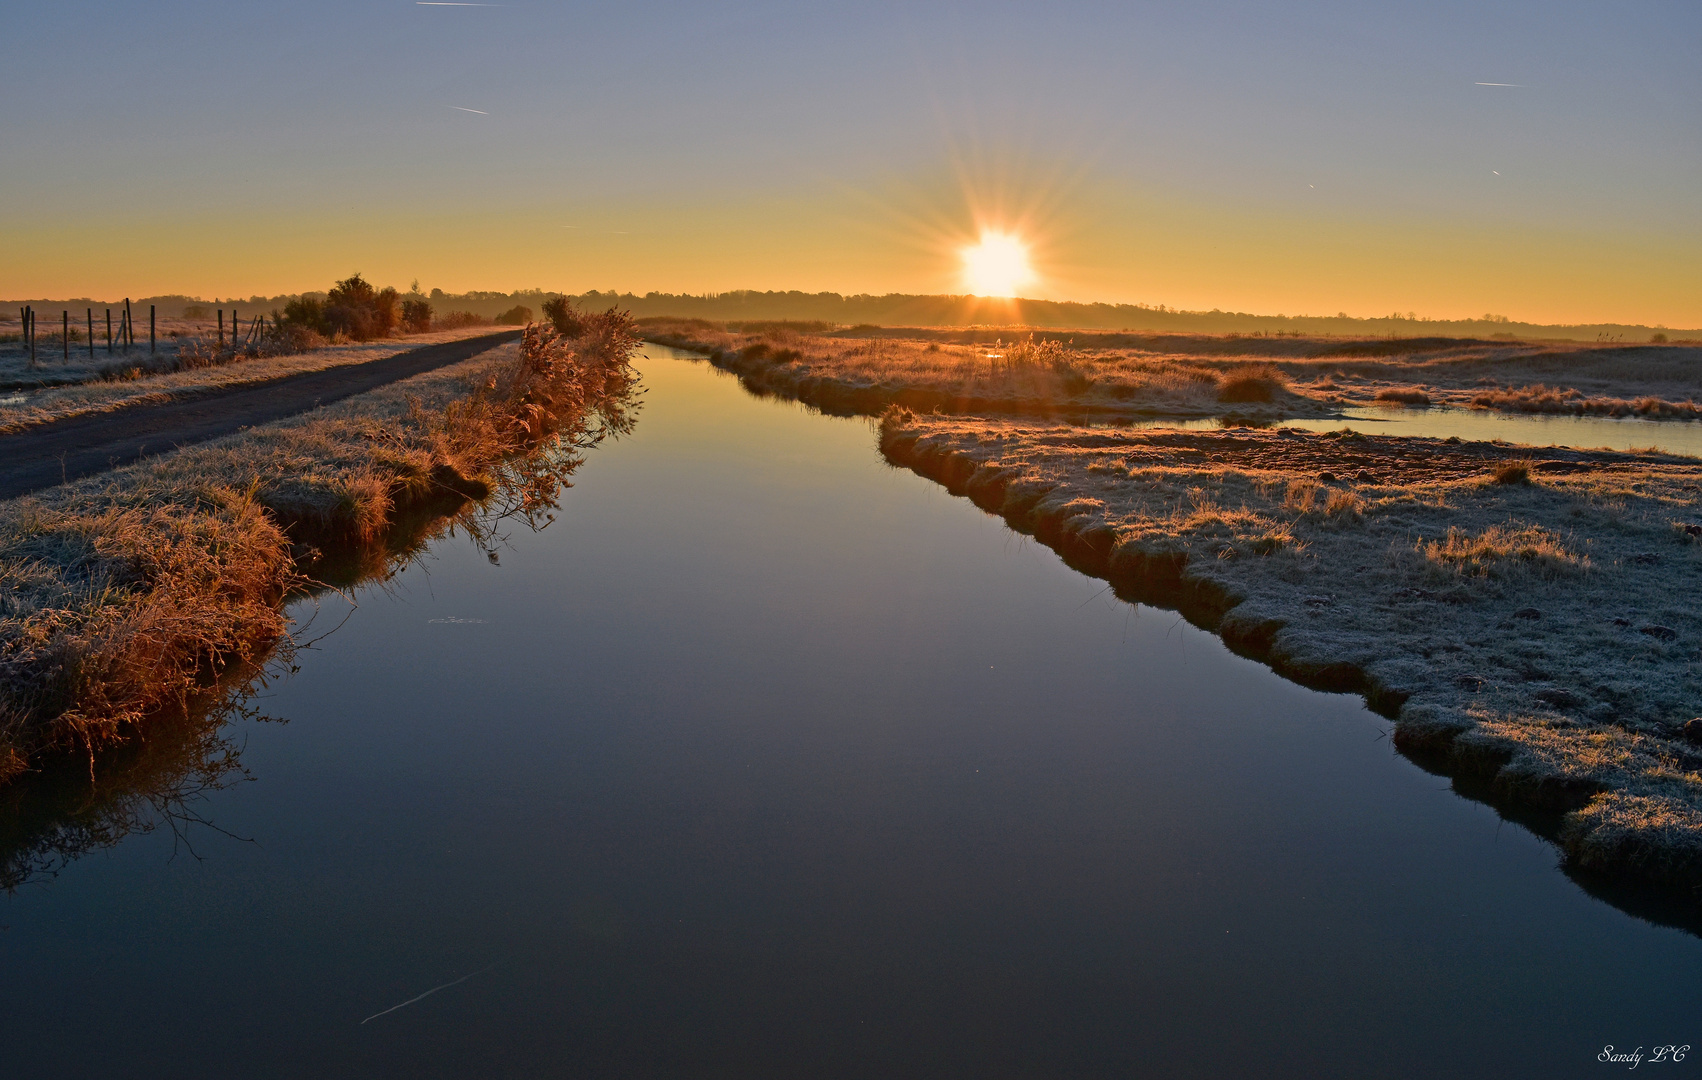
(1272, 157)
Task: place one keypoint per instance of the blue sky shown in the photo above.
(1306, 155)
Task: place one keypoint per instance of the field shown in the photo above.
(1017, 371)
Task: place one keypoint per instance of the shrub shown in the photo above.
(1657, 339)
(358, 311)
(456, 319)
(416, 316)
(307, 312)
(561, 314)
(518, 315)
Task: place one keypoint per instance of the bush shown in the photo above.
(306, 312)
(457, 319)
(563, 317)
(360, 312)
(518, 315)
(416, 316)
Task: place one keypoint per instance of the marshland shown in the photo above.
(1259, 376)
(706, 756)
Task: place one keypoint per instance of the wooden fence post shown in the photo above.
(65, 333)
(91, 312)
(32, 336)
(109, 331)
(150, 328)
(221, 328)
(129, 326)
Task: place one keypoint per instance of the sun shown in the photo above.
(997, 266)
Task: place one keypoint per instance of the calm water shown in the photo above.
(768, 760)
(1482, 425)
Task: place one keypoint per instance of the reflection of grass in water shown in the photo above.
(72, 807)
(75, 804)
(123, 595)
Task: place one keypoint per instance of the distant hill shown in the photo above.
(901, 309)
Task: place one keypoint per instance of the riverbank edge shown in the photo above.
(205, 569)
(837, 397)
(1529, 396)
(1556, 807)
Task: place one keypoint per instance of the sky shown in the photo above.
(1294, 158)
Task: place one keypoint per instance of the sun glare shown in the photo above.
(997, 266)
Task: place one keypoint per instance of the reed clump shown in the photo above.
(122, 595)
(1503, 551)
(1407, 396)
(1251, 384)
(1569, 401)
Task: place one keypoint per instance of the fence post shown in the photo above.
(91, 312)
(65, 333)
(221, 328)
(129, 326)
(32, 336)
(109, 331)
(150, 328)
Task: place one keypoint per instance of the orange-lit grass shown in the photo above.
(121, 594)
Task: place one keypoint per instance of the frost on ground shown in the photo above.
(1005, 370)
(96, 396)
(1526, 615)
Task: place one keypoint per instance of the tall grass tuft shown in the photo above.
(1504, 551)
(1251, 384)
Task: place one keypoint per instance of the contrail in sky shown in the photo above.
(451, 3)
(1498, 84)
(458, 108)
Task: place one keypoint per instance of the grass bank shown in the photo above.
(121, 596)
(1522, 614)
(863, 370)
(1020, 375)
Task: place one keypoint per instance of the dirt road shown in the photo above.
(53, 453)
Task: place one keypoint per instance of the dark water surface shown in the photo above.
(768, 760)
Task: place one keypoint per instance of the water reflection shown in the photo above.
(74, 806)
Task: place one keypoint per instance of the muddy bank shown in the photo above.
(1525, 622)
